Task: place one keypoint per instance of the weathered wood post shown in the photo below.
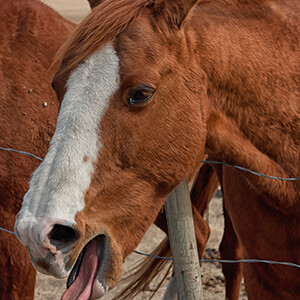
(183, 243)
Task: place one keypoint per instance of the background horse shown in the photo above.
(31, 33)
(148, 88)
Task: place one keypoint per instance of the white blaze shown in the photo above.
(58, 186)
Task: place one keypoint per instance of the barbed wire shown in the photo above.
(201, 260)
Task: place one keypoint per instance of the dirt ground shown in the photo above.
(48, 288)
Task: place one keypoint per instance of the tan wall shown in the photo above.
(74, 10)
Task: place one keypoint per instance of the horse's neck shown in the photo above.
(272, 126)
(252, 78)
(253, 103)
(255, 134)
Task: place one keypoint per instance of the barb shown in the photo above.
(204, 161)
(226, 260)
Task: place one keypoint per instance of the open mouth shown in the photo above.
(84, 281)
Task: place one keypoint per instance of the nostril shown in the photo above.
(62, 236)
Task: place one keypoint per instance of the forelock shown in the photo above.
(105, 22)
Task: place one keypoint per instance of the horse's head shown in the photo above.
(131, 127)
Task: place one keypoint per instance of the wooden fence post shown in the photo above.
(183, 243)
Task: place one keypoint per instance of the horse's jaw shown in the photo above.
(86, 280)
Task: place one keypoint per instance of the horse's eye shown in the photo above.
(140, 96)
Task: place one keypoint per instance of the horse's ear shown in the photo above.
(94, 3)
(174, 11)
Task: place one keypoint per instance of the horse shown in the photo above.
(147, 90)
(22, 74)
(31, 34)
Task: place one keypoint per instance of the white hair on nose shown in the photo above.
(58, 186)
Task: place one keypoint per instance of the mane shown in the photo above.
(105, 22)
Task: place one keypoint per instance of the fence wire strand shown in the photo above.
(20, 152)
(231, 261)
(249, 171)
(8, 231)
(203, 161)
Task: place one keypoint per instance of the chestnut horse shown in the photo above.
(17, 276)
(31, 33)
(147, 89)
